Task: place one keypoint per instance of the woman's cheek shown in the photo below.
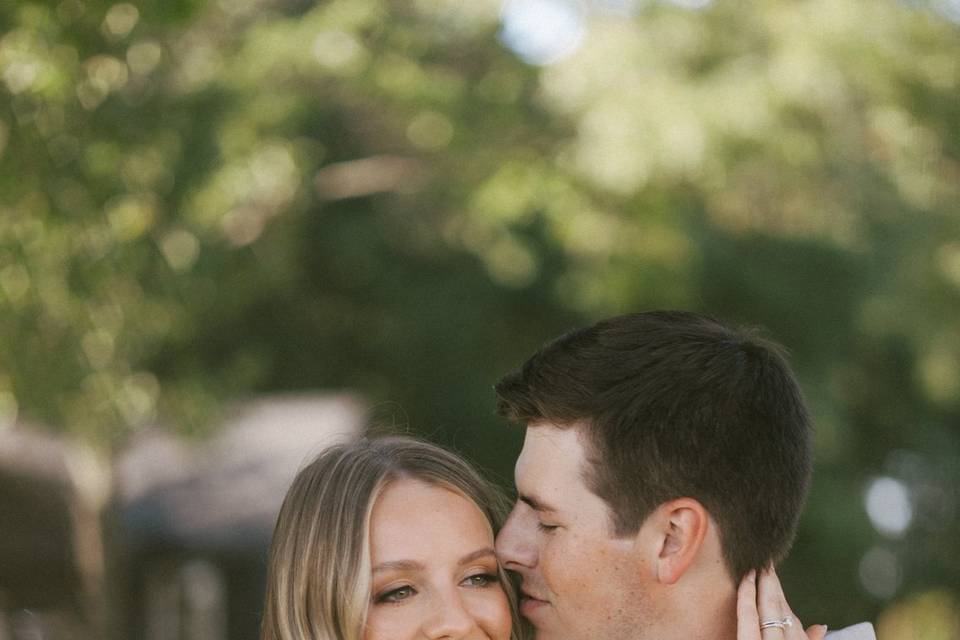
(385, 622)
(491, 611)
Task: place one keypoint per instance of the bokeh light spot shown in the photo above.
(243, 225)
(199, 63)
(138, 398)
(880, 573)
(939, 372)
(950, 9)
(338, 51)
(542, 32)
(511, 263)
(130, 216)
(20, 75)
(143, 57)
(693, 5)
(430, 130)
(107, 72)
(930, 615)
(98, 345)
(948, 259)
(120, 20)
(180, 248)
(888, 506)
(15, 282)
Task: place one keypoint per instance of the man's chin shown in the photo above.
(539, 615)
(543, 634)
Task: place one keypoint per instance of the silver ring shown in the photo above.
(781, 624)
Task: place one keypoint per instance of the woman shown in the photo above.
(393, 539)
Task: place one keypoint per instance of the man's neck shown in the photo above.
(701, 614)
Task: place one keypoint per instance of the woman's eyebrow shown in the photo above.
(476, 555)
(413, 565)
(399, 565)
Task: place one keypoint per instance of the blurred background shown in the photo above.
(234, 230)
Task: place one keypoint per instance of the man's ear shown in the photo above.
(682, 526)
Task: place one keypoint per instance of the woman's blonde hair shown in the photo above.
(318, 578)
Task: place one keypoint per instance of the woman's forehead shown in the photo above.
(417, 520)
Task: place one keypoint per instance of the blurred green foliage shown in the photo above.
(201, 200)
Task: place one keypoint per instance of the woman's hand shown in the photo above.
(763, 601)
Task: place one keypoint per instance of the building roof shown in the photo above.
(224, 493)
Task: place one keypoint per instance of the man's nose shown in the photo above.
(515, 544)
(449, 619)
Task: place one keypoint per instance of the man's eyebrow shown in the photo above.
(536, 503)
(399, 565)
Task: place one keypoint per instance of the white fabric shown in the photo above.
(862, 631)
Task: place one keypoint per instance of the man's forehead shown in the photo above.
(550, 451)
(550, 473)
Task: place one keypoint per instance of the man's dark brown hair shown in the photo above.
(675, 404)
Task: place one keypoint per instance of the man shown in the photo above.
(666, 456)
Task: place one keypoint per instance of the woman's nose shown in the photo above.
(449, 619)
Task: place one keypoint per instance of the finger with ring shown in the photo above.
(781, 624)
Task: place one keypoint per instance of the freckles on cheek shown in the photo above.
(574, 574)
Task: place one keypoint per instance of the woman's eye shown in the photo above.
(482, 580)
(396, 595)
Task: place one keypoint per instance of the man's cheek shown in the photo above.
(562, 569)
